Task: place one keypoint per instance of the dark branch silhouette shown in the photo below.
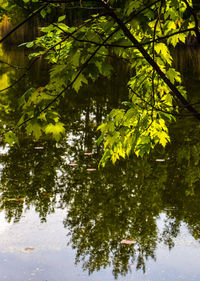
(174, 91)
(12, 65)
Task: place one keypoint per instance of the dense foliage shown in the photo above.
(137, 33)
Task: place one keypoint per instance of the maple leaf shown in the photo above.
(56, 130)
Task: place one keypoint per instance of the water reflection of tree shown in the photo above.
(124, 202)
(112, 204)
(182, 199)
(107, 209)
(109, 205)
(29, 176)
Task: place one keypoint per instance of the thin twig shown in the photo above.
(129, 46)
(11, 65)
(153, 47)
(40, 56)
(149, 104)
(196, 29)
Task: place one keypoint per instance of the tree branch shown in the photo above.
(196, 29)
(173, 88)
(152, 106)
(11, 65)
(43, 55)
(72, 82)
(127, 46)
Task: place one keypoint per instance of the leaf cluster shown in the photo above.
(81, 54)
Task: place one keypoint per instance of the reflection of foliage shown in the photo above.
(32, 181)
(105, 211)
(114, 203)
(108, 205)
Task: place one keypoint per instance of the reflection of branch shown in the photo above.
(23, 22)
(21, 77)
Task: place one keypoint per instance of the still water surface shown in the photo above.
(62, 222)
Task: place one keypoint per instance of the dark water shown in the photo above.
(60, 222)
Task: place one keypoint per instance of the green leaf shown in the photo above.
(164, 138)
(61, 18)
(173, 75)
(43, 13)
(10, 138)
(79, 81)
(29, 44)
(99, 140)
(162, 49)
(34, 128)
(56, 130)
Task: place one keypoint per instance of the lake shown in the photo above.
(62, 218)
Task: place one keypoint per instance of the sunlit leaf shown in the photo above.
(57, 130)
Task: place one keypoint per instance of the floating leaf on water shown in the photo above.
(88, 153)
(160, 160)
(16, 182)
(91, 170)
(29, 249)
(20, 200)
(45, 193)
(128, 241)
(16, 199)
(38, 147)
(73, 164)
